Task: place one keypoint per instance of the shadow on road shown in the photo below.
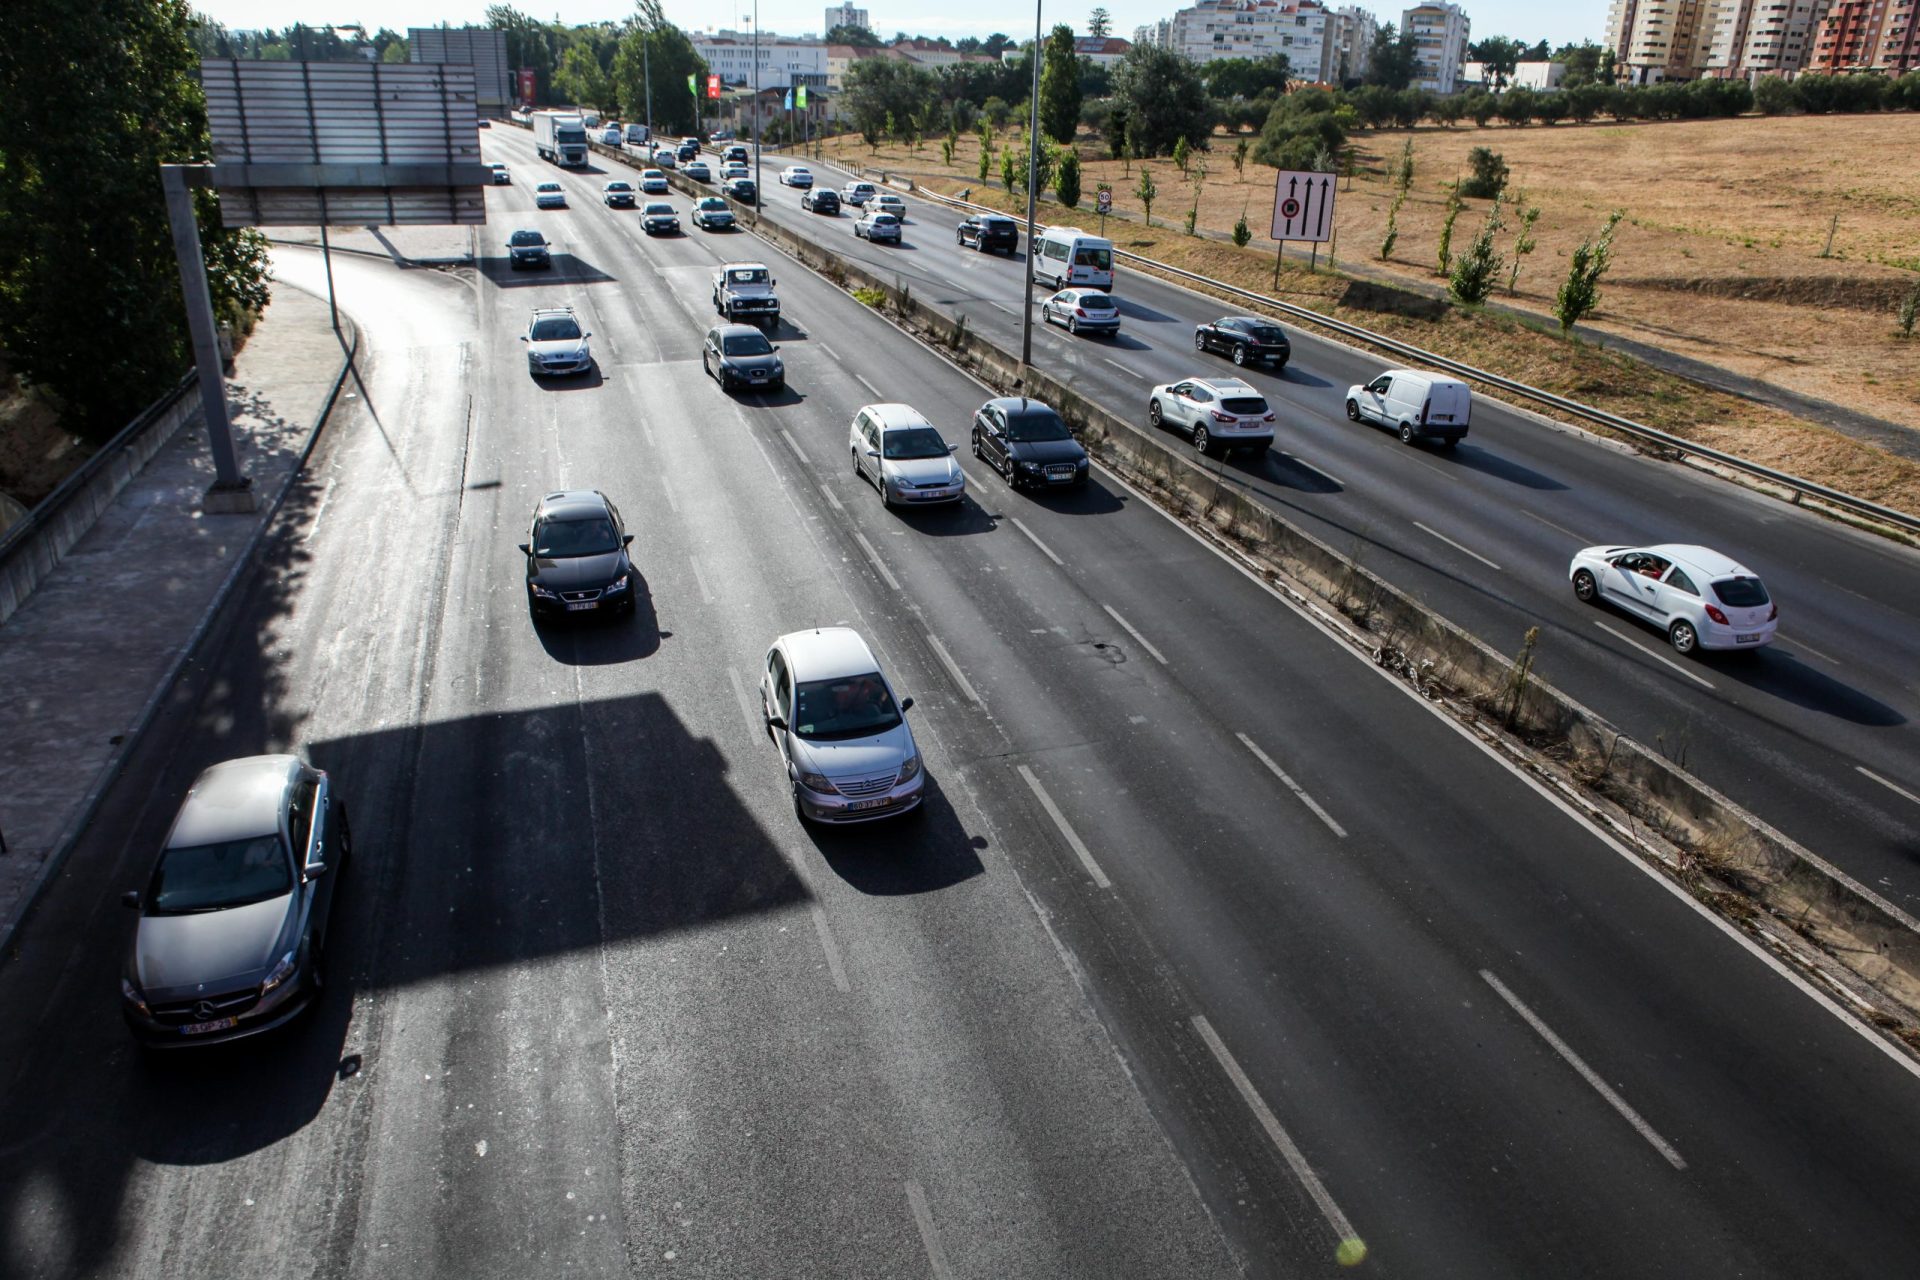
(1780, 674)
(1300, 377)
(1135, 311)
(600, 639)
(921, 852)
(1285, 469)
(1474, 458)
(566, 269)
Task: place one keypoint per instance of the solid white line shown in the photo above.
(831, 500)
(1562, 528)
(1681, 896)
(880, 566)
(1289, 1151)
(1003, 306)
(792, 444)
(1036, 542)
(1292, 786)
(1322, 472)
(827, 945)
(1891, 786)
(1132, 373)
(1066, 829)
(831, 353)
(755, 725)
(1456, 546)
(953, 669)
(868, 385)
(666, 487)
(1587, 1073)
(1144, 642)
(1657, 657)
(923, 1219)
(700, 579)
(1798, 643)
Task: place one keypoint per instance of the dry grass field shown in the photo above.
(1719, 259)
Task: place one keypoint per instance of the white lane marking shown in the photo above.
(930, 1238)
(666, 487)
(792, 444)
(1130, 372)
(1279, 1136)
(880, 566)
(868, 385)
(831, 353)
(1587, 1073)
(1456, 546)
(1144, 642)
(953, 669)
(827, 945)
(1322, 472)
(1066, 829)
(831, 500)
(319, 511)
(1003, 306)
(1891, 786)
(1298, 791)
(1681, 896)
(755, 725)
(1798, 643)
(1562, 528)
(1657, 657)
(1036, 542)
(700, 580)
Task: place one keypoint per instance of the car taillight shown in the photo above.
(1713, 611)
(1268, 418)
(1082, 314)
(1773, 613)
(1219, 416)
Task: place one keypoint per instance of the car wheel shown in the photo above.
(1683, 637)
(1153, 414)
(1203, 440)
(1073, 326)
(1585, 589)
(880, 484)
(1406, 433)
(1199, 342)
(798, 811)
(1240, 356)
(976, 444)
(1353, 410)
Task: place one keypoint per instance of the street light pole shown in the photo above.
(1033, 174)
(646, 74)
(759, 192)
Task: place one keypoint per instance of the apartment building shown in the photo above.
(845, 15)
(1440, 33)
(1750, 38)
(1868, 35)
(1348, 47)
(784, 60)
(1655, 40)
(1213, 29)
(1156, 35)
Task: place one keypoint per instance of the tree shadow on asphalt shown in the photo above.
(920, 852)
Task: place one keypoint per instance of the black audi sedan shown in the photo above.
(1246, 340)
(1027, 443)
(577, 561)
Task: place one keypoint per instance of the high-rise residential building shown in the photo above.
(1349, 44)
(1654, 40)
(1213, 29)
(1156, 35)
(1748, 38)
(1868, 35)
(845, 15)
(1440, 34)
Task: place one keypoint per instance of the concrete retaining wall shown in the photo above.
(31, 548)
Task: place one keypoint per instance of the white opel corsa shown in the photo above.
(1700, 598)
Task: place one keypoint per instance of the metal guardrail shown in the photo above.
(1799, 486)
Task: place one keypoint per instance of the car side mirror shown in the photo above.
(626, 540)
(131, 898)
(953, 448)
(906, 704)
(525, 550)
(587, 334)
(523, 337)
(873, 453)
(777, 722)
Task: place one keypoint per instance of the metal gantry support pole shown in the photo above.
(1033, 174)
(759, 191)
(231, 492)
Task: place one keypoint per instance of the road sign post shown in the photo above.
(1103, 201)
(1302, 210)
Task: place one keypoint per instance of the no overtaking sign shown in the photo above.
(1302, 206)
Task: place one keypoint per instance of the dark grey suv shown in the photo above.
(577, 560)
(233, 921)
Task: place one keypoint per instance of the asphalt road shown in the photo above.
(1817, 734)
(1214, 946)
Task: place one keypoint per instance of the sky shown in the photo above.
(1569, 20)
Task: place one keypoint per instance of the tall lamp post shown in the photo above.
(759, 192)
(1033, 175)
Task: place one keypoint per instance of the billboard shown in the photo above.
(482, 48)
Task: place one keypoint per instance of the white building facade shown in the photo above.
(1748, 38)
(1440, 33)
(784, 60)
(1255, 29)
(845, 15)
(1348, 47)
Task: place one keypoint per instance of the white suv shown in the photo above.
(849, 754)
(1217, 414)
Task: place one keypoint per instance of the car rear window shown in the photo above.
(1244, 404)
(1098, 259)
(1267, 333)
(1740, 593)
(1098, 301)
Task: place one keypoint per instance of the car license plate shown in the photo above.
(878, 803)
(575, 605)
(1747, 639)
(201, 1028)
(757, 376)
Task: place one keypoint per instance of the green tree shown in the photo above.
(1403, 173)
(986, 160)
(1164, 100)
(1501, 55)
(530, 44)
(1523, 243)
(1146, 190)
(1066, 179)
(1489, 177)
(1909, 309)
(1299, 129)
(1240, 159)
(858, 37)
(395, 52)
(1393, 225)
(580, 80)
(1242, 233)
(1393, 57)
(1580, 293)
(1773, 95)
(1445, 255)
(1100, 22)
(1180, 154)
(94, 96)
(1247, 77)
(1477, 270)
(1011, 170)
(946, 151)
(1117, 133)
(654, 44)
(1060, 86)
(1199, 184)
(879, 92)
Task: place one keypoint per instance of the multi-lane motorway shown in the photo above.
(1214, 947)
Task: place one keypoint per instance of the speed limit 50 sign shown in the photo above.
(1302, 206)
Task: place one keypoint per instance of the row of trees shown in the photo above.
(606, 65)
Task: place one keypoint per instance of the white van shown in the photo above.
(1417, 406)
(636, 135)
(1068, 256)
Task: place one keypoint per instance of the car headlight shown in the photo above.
(1029, 466)
(281, 972)
(818, 782)
(541, 591)
(133, 995)
(909, 769)
(620, 583)
(778, 367)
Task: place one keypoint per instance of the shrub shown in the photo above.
(1445, 255)
(1489, 176)
(1478, 269)
(1242, 233)
(1516, 106)
(1580, 292)
(1066, 181)
(1180, 153)
(1146, 190)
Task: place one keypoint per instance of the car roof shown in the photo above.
(1228, 386)
(619, 182)
(1437, 379)
(739, 266)
(1020, 404)
(1081, 290)
(1704, 560)
(827, 653)
(543, 312)
(548, 186)
(569, 504)
(234, 800)
(893, 415)
(736, 330)
(707, 201)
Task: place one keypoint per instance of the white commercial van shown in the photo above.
(1068, 256)
(636, 135)
(1415, 405)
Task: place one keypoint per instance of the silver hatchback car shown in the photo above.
(234, 918)
(849, 754)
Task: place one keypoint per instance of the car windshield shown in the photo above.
(714, 204)
(657, 208)
(1740, 593)
(619, 186)
(746, 344)
(1099, 259)
(747, 277)
(560, 539)
(913, 442)
(555, 329)
(850, 707)
(1034, 426)
(211, 877)
(1244, 404)
(547, 188)
(1096, 301)
(521, 239)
